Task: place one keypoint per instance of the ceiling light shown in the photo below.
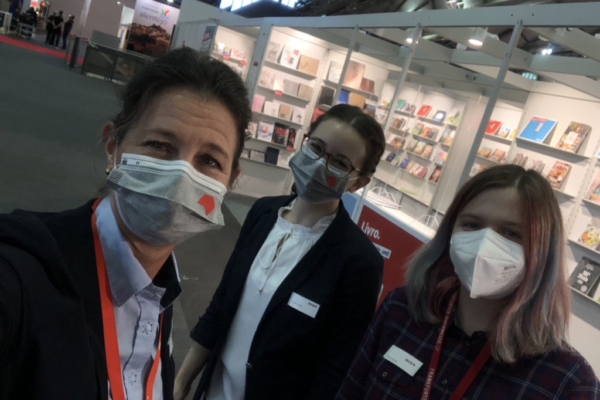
(118, 2)
(547, 51)
(170, 1)
(411, 35)
(478, 37)
(451, 1)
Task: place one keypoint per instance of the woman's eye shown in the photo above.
(157, 145)
(513, 234)
(210, 161)
(470, 225)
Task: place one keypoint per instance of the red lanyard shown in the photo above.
(111, 343)
(435, 359)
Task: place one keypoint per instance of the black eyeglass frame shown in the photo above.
(330, 156)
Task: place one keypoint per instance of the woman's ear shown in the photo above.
(110, 144)
(360, 183)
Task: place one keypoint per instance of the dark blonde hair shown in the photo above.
(536, 316)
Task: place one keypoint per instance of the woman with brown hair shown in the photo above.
(484, 313)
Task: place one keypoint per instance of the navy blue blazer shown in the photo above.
(294, 356)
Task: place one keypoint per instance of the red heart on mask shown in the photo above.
(208, 202)
(331, 180)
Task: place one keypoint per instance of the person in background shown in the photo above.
(302, 283)
(67, 30)
(86, 294)
(57, 29)
(50, 27)
(484, 314)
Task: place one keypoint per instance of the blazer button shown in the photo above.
(248, 366)
(384, 374)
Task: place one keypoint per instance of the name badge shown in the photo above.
(403, 360)
(303, 305)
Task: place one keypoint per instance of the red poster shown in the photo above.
(394, 243)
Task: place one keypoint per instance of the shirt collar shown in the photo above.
(126, 275)
(317, 229)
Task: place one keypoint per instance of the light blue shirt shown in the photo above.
(137, 305)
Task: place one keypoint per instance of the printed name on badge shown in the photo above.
(304, 305)
(403, 360)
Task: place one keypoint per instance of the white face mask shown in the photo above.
(487, 264)
(165, 202)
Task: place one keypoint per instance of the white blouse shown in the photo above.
(285, 246)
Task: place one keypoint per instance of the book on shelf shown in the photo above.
(252, 128)
(520, 159)
(385, 155)
(343, 97)
(537, 129)
(367, 85)
(267, 78)
(440, 158)
(429, 132)
(317, 112)
(538, 166)
(427, 151)
(416, 130)
(454, 118)
(431, 114)
(447, 136)
(226, 52)
(326, 96)
(305, 92)
(280, 134)
(257, 103)
(308, 65)
(404, 163)
(585, 277)
(290, 87)
(396, 160)
(512, 134)
(399, 123)
(418, 150)
(558, 174)
(503, 132)
(271, 155)
(284, 159)
(398, 142)
(439, 116)
(410, 165)
(257, 155)
(271, 108)
(573, 137)
(298, 115)
(400, 104)
(435, 176)
(278, 85)
(237, 54)
(357, 100)
(492, 127)
(289, 57)
(265, 131)
(413, 169)
(218, 47)
(407, 107)
(384, 103)
(354, 74)
(424, 110)
(590, 237)
(477, 168)
(484, 152)
(285, 111)
(390, 157)
(245, 153)
(273, 51)
(504, 159)
(593, 193)
(380, 116)
(370, 109)
(419, 171)
(497, 155)
(335, 72)
(291, 140)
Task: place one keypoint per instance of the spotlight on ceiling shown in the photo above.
(547, 51)
(411, 34)
(478, 37)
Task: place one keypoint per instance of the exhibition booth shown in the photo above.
(447, 114)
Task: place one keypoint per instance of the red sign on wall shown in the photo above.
(394, 243)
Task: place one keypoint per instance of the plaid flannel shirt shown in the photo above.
(556, 375)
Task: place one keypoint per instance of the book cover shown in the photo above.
(418, 150)
(573, 137)
(492, 127)
(424, 110)
(477, 168)
(257, 155)
(316, 114)
(497, 155)
(290, 87)
(245, 153)
(440, 158)
(289, 57)
(257, 103)
(429, 132)
(267, 78)
(343, 97)
(238, 55)
(400, 104)
(403, 163)
(431, 114)
(265, 131)
(447, 136)
(591, 235)
(284, 159)
(538, 129)
(503, 132)
(435, 176)
(422, 172)
(273, 51)
(520, 159)
(399, 123)
(454, 118)
(558, 174)
(410, 165)
(308, 65)
(354, 74)
(370, 109)
(357, 100)
(427, 151)
(252, 128)
(280, 134)
(305, 92)
(390, 157)
(586, 276)
(413, 171)
(396, 160)
(220, 47)
(380, 116)
(593, 193)
(398, 142)
(512, 134)
(417, 128)
(271, 155)
(367, 85)
(485, 152)
(271, 108)
(278, 85)
(538, 166)
(285, 111)
(439, 116)
(385, 155)
(291, 140)
(298, 115)
(326, 96)
(406, 107)
(335, 72)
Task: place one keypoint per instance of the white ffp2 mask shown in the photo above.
(487, 264)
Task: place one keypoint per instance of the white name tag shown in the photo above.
(303, 305)
(403, 360)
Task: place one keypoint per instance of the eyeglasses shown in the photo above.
(338, 165)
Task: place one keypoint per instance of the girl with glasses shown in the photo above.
(302, 283)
